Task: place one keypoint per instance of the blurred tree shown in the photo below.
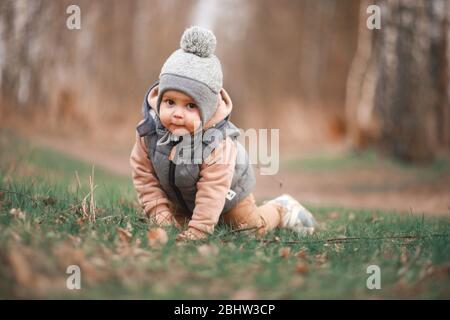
(73, 80)
(398, 89)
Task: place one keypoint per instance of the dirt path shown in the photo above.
(374, 188)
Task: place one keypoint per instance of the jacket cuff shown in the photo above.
(201, 227)
(154, 210)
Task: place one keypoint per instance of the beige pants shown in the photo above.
(246, 214)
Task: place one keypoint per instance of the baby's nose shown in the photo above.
(177, 115)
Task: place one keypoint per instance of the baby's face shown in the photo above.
(179, 113)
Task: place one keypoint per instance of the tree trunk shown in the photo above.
(399, 80)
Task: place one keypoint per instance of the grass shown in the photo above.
(368, 159)
(53, 232)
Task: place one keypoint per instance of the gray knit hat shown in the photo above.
(194, 70)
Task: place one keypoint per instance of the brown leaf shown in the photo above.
(301, 254)
(443, 271)
(157, 237)
(321, 258)
(207, 250)
(15, 236)
(76, 241)
(20, 267)
(137, 243)
(402, 271)
(66, 254)
(297, 281)
(244, 294)
(333, 215)
(376, 218)
(387, 254)
(124, 235)
(301, 268)
(284, 252)
(404, 257)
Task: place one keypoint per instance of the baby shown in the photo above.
(188, 168)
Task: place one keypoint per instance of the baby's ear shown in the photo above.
(153, 96)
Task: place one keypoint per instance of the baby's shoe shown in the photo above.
(295, 216)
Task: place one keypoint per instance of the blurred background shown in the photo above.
(363, 114)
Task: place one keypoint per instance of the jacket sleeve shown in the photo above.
(150, 194)
(216, 175)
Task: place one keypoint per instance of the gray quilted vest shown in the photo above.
(178, 178)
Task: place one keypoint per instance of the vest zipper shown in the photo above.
(175, 188)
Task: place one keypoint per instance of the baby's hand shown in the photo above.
(191, 234)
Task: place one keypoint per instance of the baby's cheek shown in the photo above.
(165, 119)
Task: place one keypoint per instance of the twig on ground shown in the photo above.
(337, 240)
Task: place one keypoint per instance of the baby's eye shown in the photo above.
(191, 106)
(170, 102)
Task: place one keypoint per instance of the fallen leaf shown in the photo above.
(297, 281)
(321, 258)
(66, 254)
(76, 241)
(137, 243)
(284, 252)
(244, 294)
(387, 254)
(157, 237)
(376, 218)
(80, 221)
(301, 268)
(15, 236)
(20, 267)
(333, 215)
(404, 257)
(208, 250)
(443, 270)
(301, 254)
(124, 235)
(402, 271)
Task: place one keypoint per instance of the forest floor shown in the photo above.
(50, 219)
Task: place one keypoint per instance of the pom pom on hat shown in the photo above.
(199, 41)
